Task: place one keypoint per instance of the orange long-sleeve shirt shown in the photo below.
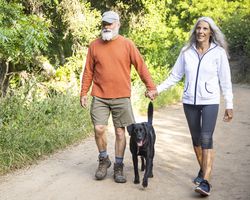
(108, 66)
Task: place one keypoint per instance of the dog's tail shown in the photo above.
(150, 112)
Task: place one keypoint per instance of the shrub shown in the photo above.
(31, 129)
(237, 36)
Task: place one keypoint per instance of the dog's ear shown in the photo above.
(130, 129)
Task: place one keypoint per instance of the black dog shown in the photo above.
(142, 142)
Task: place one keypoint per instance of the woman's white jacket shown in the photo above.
(205, 75)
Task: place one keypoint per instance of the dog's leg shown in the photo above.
(148, 166)
(142, 163)
(150, 175)
(135, 162)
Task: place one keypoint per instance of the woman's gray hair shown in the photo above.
(217, 36)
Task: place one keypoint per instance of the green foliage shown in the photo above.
(237, 28)
(74, 65)
(81, 22)
(21, 36)
(152, 36)
(31, 129)
(183, 14)
(73, 25)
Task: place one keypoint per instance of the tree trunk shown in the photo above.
(4, 78)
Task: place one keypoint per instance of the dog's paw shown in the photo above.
(136, 181)
(145, 183)
(150, 176)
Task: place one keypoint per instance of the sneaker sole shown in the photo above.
(202, 192)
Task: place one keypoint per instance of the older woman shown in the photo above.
(204, 63)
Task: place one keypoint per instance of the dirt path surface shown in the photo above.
(69, 175)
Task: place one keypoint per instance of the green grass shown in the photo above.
(30, 130)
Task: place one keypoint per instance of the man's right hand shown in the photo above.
(84, 101)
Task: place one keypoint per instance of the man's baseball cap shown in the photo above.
(110, 17)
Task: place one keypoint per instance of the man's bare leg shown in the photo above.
(120, 145)
(101, 142)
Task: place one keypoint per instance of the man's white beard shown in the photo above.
(108, 34)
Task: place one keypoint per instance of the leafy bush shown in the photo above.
(21, 36)
(29, 130)
(237, 36)
(159, 43)
(236, 29)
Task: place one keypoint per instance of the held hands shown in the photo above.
(152, 94)
(228, 116)
(84, 101)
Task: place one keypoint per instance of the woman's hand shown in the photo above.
(228, 116)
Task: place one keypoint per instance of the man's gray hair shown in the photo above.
(217, 36)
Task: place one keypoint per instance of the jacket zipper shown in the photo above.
(197, 74)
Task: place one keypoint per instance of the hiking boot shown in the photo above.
(104, 164)
(203, 188)
(118, 173)
(199, 178)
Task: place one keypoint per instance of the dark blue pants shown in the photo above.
(201, 121)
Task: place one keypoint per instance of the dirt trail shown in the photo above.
(69, 175)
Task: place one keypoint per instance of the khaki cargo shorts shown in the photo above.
(120, 109)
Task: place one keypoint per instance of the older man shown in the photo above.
(108, 67)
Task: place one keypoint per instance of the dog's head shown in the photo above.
(138, 132)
